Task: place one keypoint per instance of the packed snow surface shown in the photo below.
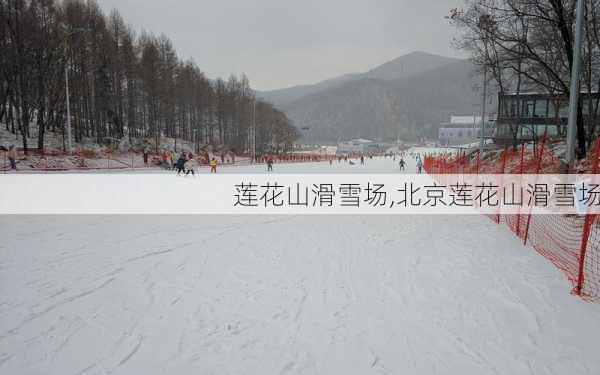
(285, 295)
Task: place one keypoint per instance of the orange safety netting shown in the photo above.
(570, 242)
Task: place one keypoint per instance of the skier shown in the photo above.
(213, 165)
(270, 164)
(401, 164)
(169, 158)
(166, 160)
(12, 157)
(419, 165)
(362, 160)
(145, 154)
(180, 163)
(189, 167)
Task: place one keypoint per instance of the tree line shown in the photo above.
(121, 85)
(529, 45)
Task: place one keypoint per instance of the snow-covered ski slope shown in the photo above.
(285, 295)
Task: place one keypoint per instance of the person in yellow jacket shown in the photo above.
(174, 158)
(213, 165)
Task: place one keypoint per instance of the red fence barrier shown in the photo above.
(570, 242)
(57, 161)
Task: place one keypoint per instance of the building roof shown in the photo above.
(455, 120)
(469, 120)
(527, 93)
(358, 140)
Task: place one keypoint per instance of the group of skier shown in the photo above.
(187, 164)
(419, 163)
(401, 163)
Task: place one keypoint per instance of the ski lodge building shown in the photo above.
(464, 129)
(528, 116)
(357, 146)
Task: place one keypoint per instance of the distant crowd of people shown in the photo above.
(184, 162)
(187, 163)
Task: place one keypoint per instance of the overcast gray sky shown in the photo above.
(281, 43)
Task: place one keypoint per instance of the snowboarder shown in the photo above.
(213, 165)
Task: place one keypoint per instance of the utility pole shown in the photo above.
(482, 144)
(574, 94)
(253, 136)
(485, 23)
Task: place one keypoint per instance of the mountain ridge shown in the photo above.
(400, 67)
(405, 98)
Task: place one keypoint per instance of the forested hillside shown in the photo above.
(121, 85)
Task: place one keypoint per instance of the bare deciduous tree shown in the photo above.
(120, 85)
(529, 44)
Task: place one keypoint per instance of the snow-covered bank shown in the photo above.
(284, 295)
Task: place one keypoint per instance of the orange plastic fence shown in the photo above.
(570, 242)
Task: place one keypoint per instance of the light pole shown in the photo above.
(574, 94)
(253, 136)
(482, 144)
(486, 23)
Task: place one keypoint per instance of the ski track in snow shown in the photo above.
(285, 295)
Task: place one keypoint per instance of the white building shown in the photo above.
(357, 146)
(464, 129)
